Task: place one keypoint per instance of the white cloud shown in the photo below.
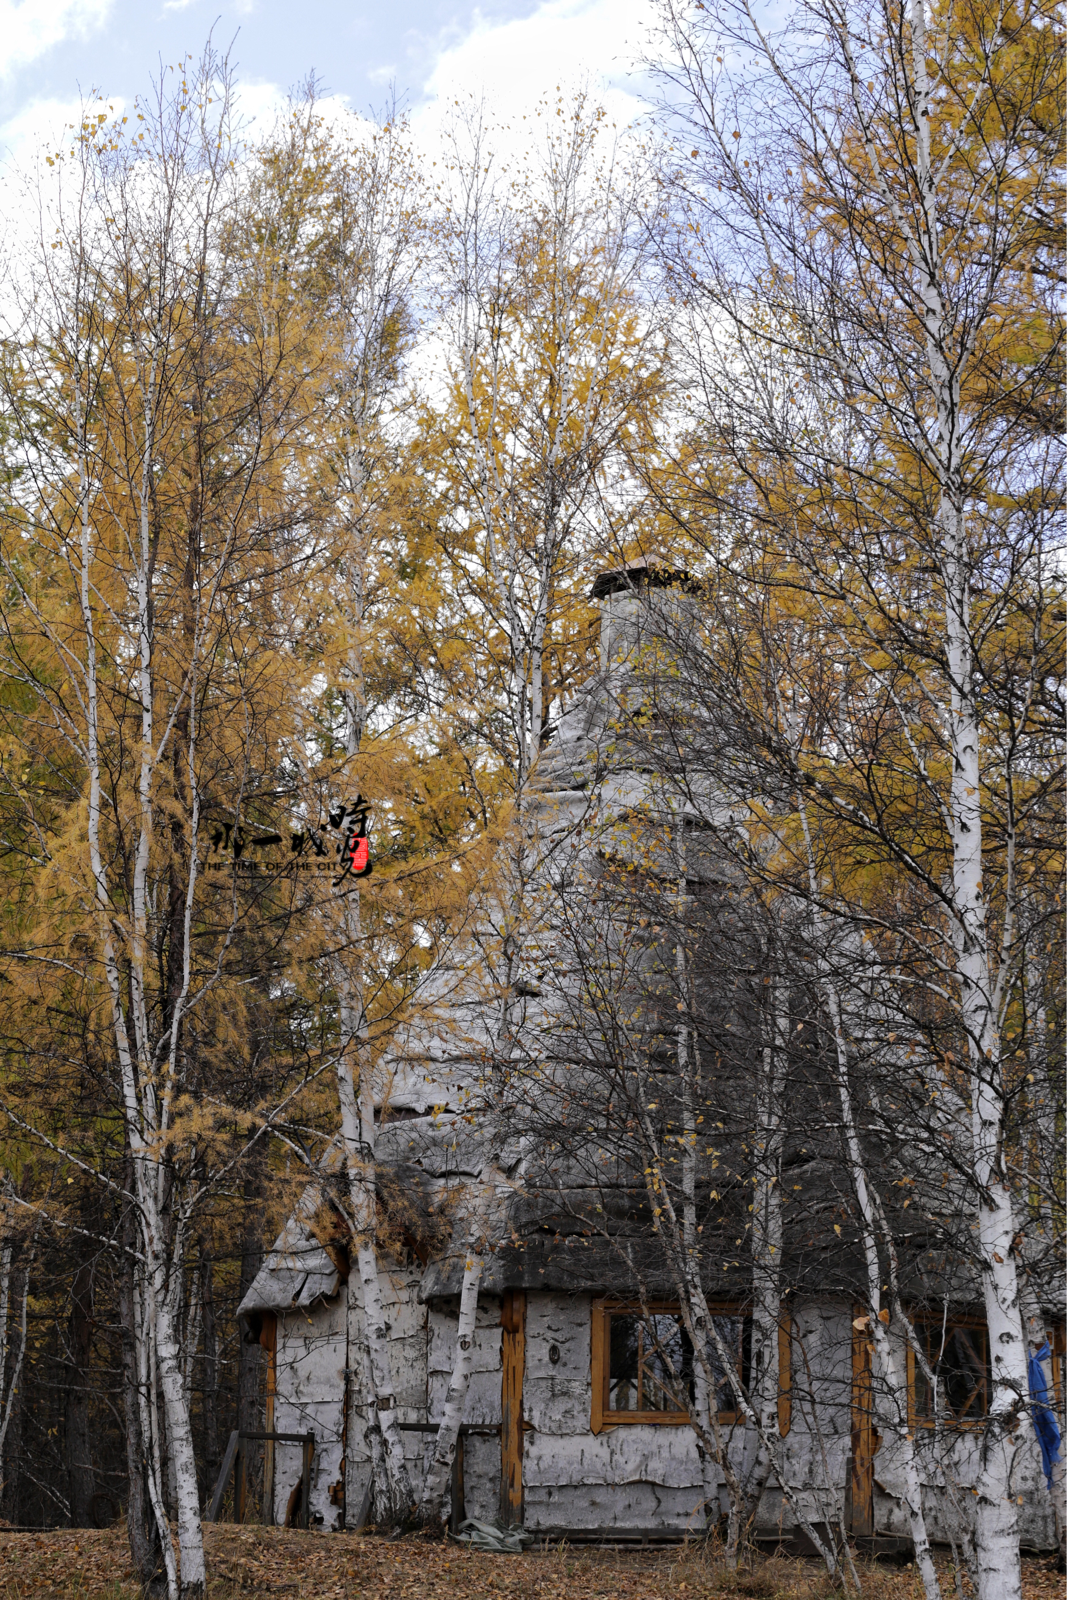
(30, 27)
(513, 64)
(45, 126)
(260, 105)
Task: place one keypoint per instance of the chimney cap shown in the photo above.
(639, 574)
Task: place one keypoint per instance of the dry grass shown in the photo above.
(245, 1563)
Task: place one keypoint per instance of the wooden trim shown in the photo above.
(598, 1367)
(513, 1367)
(1056, 1333)
(913, 1421)
(268, 1338)
(785, 1372)
(307, 1452)
(862, 1482)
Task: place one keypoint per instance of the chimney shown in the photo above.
(624, 594)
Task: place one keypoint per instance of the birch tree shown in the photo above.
(353, 213)
(16, 1261)
(863, 247)
(362, 262)
(155, 400)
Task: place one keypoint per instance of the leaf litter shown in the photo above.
(245, 1563)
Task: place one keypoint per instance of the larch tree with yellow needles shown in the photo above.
(359, 231)
(157, 522)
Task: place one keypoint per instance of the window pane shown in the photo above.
(623, 1359)
(648, 1369)
(731, 1331)
(959, 1356)
(666, 1369)
(963, 1373)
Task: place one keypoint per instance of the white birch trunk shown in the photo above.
(681, 1243)
(996, 1522)
(998, 1567)
(700, 1325)
(363, 1418)
(191, 1336)
(711, 1446)
(140, 1101)
(163, 1264)
(7, 1401)
(144, 1340)
(5, 1300)
(358, 1135)
(957, 291)
(767, 1245)
(180, 1454)
(890, 1370)
(1045, 1144)
(436, 1483)
(354, 1083)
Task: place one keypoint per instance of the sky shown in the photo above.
(509, 51)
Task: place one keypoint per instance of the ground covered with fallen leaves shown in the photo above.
(248, 1562)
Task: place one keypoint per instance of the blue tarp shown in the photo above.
(1045, 1425)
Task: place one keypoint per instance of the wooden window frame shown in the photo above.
(603, 1307)
(934, 1319)
(1056, 1334)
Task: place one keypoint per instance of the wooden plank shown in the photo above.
(597, 1365)
(268, 1338)
(862, 1483)
(785, 1373)
(223, 1477)
(513, 1355)
(1058, 1341)
(306, 1454)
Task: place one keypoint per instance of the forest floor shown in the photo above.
(245, 1563)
